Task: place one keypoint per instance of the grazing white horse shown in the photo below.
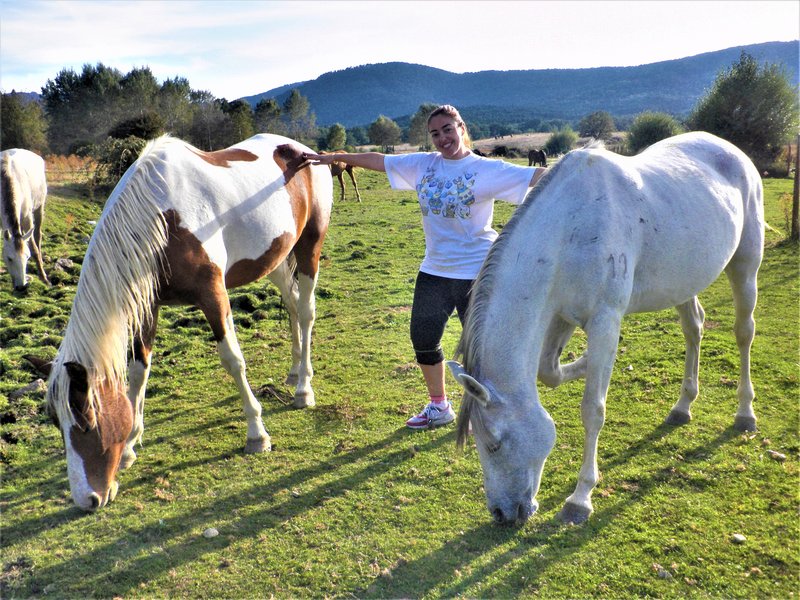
(24, 189)
(600, 237)
(181, 227)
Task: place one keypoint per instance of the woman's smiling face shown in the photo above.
(446, 134)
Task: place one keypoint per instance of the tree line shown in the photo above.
(107, 114)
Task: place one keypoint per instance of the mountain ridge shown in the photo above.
(358, 95)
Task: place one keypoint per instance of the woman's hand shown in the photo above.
(319, 159)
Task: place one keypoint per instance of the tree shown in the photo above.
(241, 117)
(649, 128)
(174, 103)
(384, 132)
(752, 106)
(81, 109)
(267, 117)
(300, 122)
(207, 121)
(336, 138)
(599, 125)
(560, 141)
(23, 124)
(418, 129)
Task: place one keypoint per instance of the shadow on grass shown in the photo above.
(121, 566)
(520, 567)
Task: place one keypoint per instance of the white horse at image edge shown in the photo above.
(24, 188)
(602, 236)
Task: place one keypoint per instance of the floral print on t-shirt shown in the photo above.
(446, 197)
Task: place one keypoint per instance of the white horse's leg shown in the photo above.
(603, 337)
(743, 280)
(692, 318)
(138, 374)
(36, 243)
(551, 372)
(230, 355)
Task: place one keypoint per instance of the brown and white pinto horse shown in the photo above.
(338, 170)
(23, 184)
(181, 227)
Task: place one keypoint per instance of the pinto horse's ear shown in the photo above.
(471, 385)
(42, 365)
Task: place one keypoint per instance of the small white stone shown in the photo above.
(776, 455)
(738, 538)
(210, 532)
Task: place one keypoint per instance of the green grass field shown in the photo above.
(352, 504)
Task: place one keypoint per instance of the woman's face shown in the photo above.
(446, 135)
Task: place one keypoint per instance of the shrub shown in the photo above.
(561, 141)
(649, 128)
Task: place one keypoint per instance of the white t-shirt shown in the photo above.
(457, 202)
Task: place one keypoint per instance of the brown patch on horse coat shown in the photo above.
(195, 279)
(311, 226)
(249, 270)
(223, 158)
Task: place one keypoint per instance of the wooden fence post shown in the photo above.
(795, 234)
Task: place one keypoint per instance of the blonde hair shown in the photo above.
(451, 111)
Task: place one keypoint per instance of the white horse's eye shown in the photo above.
(493, 447)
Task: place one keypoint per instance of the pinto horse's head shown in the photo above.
(514, 438)
(95, 419)
(15, 256)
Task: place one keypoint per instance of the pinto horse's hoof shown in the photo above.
(745, 424)
(127, 459)
(678, 418)
(304, 400)
(574, 514)
(258, 445)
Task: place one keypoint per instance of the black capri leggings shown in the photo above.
(435, 298)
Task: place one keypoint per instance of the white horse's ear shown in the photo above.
(471, 385)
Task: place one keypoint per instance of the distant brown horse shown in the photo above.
(537, 157)
(338, 169)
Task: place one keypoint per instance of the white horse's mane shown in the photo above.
(472, 334)
(118, 281)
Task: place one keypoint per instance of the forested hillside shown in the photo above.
(357, 95)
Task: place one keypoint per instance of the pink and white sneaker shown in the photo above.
(432, 416)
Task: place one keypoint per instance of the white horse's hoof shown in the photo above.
(678, 418)
(574, 514)
(258, 445)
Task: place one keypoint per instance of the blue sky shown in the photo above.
(239, 48)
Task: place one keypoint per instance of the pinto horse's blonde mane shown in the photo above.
(118, 283)
(473, 333)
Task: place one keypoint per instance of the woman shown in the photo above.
(456, 191)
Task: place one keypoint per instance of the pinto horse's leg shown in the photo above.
(301, 371)
(551, 372)
(692, 317)
(743, 279)
(603, 335)
(138, 374)
(217, 310)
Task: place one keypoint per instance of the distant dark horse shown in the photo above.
(537, 157)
